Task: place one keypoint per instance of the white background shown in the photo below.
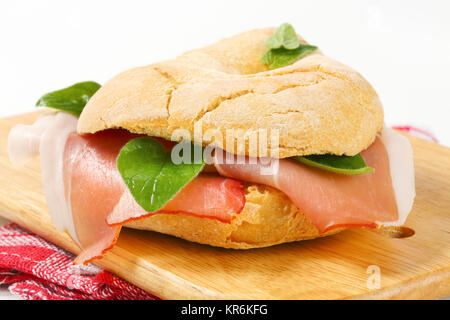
(401, 47)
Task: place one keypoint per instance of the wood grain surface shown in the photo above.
(335, 267)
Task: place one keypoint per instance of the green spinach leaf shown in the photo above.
(284, 36)
(284, 48)
(151, 174)
(277, 58)
(349, 165)
(71, 99)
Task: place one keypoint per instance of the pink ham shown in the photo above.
(88, 199)
(329, 200)
(207, 196)
(91, 188)
(96, 192)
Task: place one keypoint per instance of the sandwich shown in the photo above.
(256, 140)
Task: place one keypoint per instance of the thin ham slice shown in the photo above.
(328, 199)
(207, 196)
(83, 186)
(91, 189)
(47, 136)
(100, 202)
(88, 199)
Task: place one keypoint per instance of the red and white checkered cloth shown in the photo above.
(35, 269)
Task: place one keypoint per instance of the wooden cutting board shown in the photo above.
(334, 267)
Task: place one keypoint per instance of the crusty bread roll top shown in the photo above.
(316, 105)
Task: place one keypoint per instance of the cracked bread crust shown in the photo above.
(317, 105)
(268, 218)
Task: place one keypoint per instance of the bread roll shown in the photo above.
(317, 105)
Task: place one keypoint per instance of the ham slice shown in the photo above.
(83, 186)
(100, 201)
(207, 196)
(401, 165)
(88, 199)
(333, 200)
(91, 188)
(47, 137)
